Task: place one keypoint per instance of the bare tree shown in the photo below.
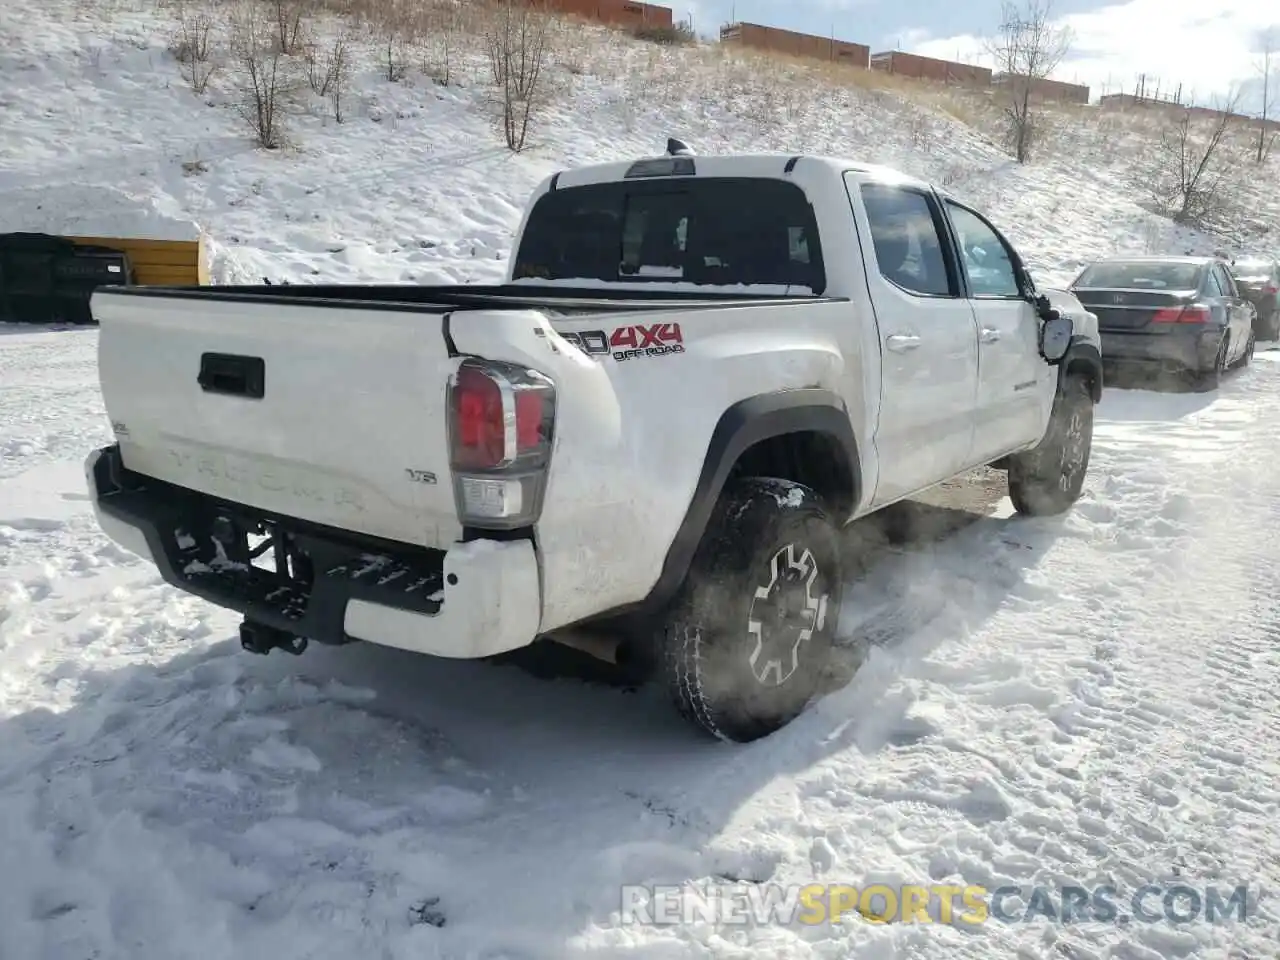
(262, 73)
(289, 19)
(516, 44)
(1028, 47)
(1267, 43)
(329, 69)
(441, 38)
(1193, 170)
(194, 45)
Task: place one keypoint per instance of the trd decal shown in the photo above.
(594, 343)
(627, 343)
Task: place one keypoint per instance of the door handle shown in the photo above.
(233, 375)
(989, 335)
(901, 342)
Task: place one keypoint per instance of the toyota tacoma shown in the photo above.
(697, 370)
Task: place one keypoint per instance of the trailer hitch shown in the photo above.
(262, 639)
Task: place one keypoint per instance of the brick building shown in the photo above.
(615, 13)
(775, 40)
(1045, 89)
(928, 68)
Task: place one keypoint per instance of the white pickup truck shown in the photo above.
(648, 438)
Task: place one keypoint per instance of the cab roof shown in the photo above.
(772, 165)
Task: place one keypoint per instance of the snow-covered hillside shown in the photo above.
(415, 184)
(1084, 701)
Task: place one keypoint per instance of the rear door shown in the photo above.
(1238, 310)
(1015, 386)
(928, 337)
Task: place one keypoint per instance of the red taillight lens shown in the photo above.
(1193, 314)
(501, 419)
(480, 431)
(500, 414)
(1271, 289)
(529, 414)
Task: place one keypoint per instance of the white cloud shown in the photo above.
(1206, 48)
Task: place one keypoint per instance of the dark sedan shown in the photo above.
(1175, 314)
(1258, 279)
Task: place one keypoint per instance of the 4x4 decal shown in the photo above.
(629, 342)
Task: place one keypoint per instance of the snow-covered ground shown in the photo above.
(1080, 701)
(1068, 702)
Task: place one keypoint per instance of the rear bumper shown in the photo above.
(1190, 348)
(474, 600)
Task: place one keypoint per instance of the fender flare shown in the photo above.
(741, 426)
(1082, 356)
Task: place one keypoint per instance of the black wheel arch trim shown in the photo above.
(741, 426)
(1079, 353)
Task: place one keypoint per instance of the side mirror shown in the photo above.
(1055, 331)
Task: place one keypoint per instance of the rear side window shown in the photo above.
(711, 231)
(906, 235)
(1225, 282)
(1253, 270)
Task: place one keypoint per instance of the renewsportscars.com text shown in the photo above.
(813, 904)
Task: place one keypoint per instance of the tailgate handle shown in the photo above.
(233, 375)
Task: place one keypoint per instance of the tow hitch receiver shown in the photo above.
(262, 639)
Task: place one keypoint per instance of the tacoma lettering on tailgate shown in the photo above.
(230, 474)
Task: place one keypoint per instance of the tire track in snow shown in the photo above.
(1124, 759)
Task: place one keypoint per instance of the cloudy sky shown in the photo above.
(1206, 47)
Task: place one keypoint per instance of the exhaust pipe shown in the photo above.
(261, 639)
(610, 649)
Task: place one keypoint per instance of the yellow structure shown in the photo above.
(158, 263)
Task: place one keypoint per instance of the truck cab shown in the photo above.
(941, 313)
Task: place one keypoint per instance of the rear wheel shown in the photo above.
(1049, 478)
(1210, 378)
(748, 640)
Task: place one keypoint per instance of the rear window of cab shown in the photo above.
(699, 230)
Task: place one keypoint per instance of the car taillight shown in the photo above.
(1271, 288)
(501, 419)
(1198, 313)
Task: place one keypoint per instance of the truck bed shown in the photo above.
(329, 403)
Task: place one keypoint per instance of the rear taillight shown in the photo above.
(1271, 288)
(1197, 313)
(501, 418)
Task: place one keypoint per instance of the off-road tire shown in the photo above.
(762, 530)
(1048, 479)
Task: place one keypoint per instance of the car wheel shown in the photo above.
(1211, 378)
(748, 640)
(1048, 479)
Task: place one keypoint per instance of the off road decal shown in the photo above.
(656, 340)
(627, 343)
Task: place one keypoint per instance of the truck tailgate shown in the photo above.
(333, 414)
